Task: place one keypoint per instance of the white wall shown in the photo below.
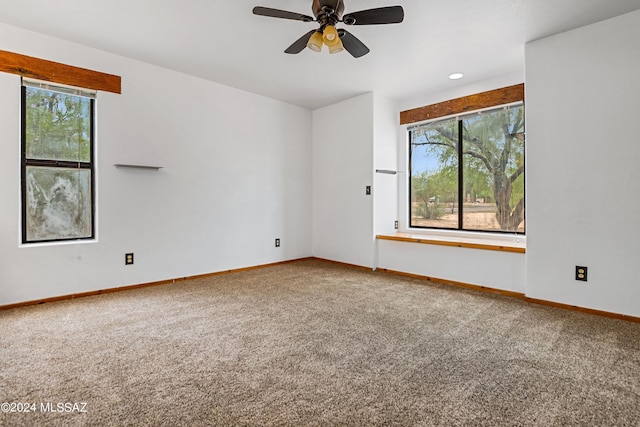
(236, 176)
(458, 90)
(352, 139)
(342, 168)
(385, 157)
(492, 269)
(204, 211)
(583, 158)
(583, 179)
(499, 270)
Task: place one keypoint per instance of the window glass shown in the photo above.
(58, 203)
(467, 173)
(58, 126)
(57, 165)
(434, 175)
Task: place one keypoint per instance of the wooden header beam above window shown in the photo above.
(478, 101)
(55, 72)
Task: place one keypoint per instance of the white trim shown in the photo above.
(465, 236)
(58, 87)
(57, 243)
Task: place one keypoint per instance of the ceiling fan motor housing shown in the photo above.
(328, 12)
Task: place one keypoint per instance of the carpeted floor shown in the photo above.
(314, 343)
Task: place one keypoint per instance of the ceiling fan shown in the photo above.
(328, 13)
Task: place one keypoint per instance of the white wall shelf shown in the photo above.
(128, 166)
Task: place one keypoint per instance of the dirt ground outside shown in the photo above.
(476, 217)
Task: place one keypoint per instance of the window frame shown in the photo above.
(459, 119)
(56, 164)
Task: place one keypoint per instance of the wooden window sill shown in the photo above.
(459, 242)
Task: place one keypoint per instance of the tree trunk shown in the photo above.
(508, 219)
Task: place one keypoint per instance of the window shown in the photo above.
(467, 172)
(57, 163)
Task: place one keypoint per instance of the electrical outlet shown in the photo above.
(367, 190)
(581, 273)
(277, 243)
(128, 259)
(395, 224)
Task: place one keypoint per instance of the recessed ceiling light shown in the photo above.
(456, 76)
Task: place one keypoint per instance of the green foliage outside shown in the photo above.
(58, 200)
(431, 191)
(58, 126)
(493, 159)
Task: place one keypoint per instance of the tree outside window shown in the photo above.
(57, 164)
(467, 173)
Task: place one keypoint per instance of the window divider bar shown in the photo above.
(58, 163)
(460, 174)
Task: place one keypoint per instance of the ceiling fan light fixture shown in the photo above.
(335, 48)
(315, 42)
(330, 36)
(328, 13)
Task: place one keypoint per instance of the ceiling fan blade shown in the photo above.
(277, 13)
(299, 45)
(352, 44)
(381, 15)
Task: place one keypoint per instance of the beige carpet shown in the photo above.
(314, 343)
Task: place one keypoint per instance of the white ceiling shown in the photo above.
(224, 42)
